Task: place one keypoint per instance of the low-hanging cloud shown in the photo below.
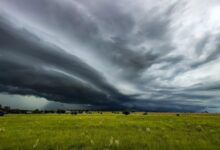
(125, 54)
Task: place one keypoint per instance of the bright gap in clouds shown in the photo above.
(215, 15)
(22, 102)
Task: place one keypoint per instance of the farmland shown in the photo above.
(153, 131)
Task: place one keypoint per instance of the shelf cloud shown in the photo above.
(124, 54)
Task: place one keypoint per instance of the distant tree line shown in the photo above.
(8, 110)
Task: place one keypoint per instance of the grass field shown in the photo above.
(164, 131)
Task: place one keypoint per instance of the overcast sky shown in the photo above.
(148, 55)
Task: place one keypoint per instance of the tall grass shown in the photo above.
(164, 131)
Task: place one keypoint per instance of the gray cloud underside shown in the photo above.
(142, 55)
(32, 66)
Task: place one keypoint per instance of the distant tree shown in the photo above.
(24, 111)
(52, 111)
(48, 111)
(126, 112)
(145, 113)
(14, 111)
(60, 111)
(80, 111)
(74, 113)
(115, 112)
(7, 109)
(36, 111)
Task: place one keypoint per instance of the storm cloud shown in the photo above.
(142, 55)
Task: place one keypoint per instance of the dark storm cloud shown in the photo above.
(163, 106)
(36, 67)
(137, 54)
(73, 22)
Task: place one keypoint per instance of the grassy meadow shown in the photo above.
(154, 131)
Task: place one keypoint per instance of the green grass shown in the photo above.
(164, 131)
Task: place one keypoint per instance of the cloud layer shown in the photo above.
(145, 55)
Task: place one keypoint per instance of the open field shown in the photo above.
(164, 131)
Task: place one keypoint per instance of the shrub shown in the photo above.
(178, 115)
(126, 112)
(88, 112)
(100, 112)
(199, 128)
(145, 113)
